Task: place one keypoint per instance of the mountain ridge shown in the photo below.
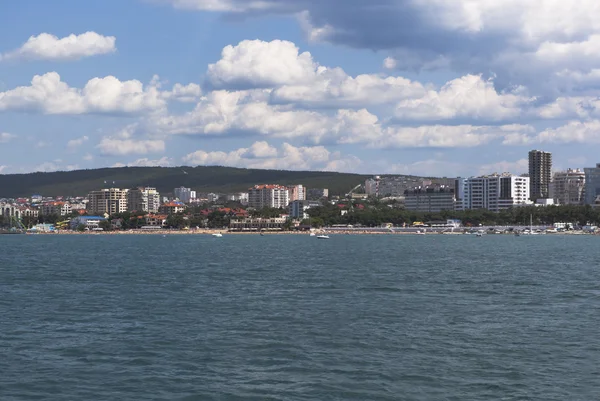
(204, 179)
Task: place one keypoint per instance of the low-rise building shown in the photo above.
(258, 224)
(89, 222)
(154, 220)
(172, 208)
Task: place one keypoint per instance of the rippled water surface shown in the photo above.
(295, 318)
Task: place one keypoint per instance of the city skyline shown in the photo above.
(298, 85)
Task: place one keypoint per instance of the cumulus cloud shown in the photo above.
(258, 64)
(76, 143)
(516, 167)
(49, 47)
(524, 42)
(50, 95)
(3, 169)
(287, 157)
(145, 162)
(110, 146)
(5, 137)
(585, 132)
(468, 96)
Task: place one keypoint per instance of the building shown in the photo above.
(156, 220)
(296, 192)
(241, 197)
(108, 201)
(298, 208)
(431, 199)
(89, 222)
(172, 208)
(143, 200)
(391, 186)
(258, 224)
(540, 174)
(592, 185)
(275, 196)
(212, 198)
(317, 193)
(495, 192)
(568, 187)
(184, 194)
(55, 208)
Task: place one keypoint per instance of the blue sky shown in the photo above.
(426, 87)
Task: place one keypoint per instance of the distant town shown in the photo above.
(560, 200)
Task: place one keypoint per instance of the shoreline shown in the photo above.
(265, 233)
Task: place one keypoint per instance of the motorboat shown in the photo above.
(322, 236)
(217, 235)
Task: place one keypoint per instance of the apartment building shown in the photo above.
(495, 192)
(144, 199)
(108, 201)
(296, 192)
(430, 199)
(184, 194)
(275, 196)
(55, 208)
(568, 187)
(317, 193)
(540, 174)
(298, 208)
(592, 184)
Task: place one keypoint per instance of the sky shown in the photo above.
(424, 87)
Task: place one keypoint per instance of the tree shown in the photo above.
(105, 225)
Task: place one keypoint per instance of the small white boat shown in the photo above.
(322, 236)
(218, 235)
(312, 234)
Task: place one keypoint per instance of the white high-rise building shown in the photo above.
(184, 194)
(261, 196)
(108, 201)
(144, 200)
(495, 192)
(568, 187)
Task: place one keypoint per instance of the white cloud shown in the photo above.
(390, 63)
(119, 146)
(3, 169)
(5, 137)
(77, 142)
(223, 5)
(287, 157)
(184, 93)
(49, 95)
(88, 157)
(49, 47)
(145, 162)
(468, 96)
(517, 167)
(585, 132)
(258, 64)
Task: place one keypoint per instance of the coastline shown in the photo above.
(265, 233)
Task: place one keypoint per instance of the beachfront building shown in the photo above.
(186, 195)
(88, 222)
(55, 208)
(143, 200)
(568, 187)
(258, 224)
(275, 196)
(430, 199)
(495, 192)
(298, 208)
(108, 201)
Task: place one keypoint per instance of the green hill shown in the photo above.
(201, 179)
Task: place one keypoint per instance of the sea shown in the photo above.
(292, 317)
